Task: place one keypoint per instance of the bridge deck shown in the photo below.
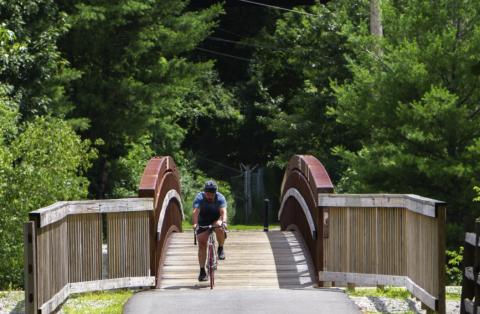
(273, 263)
(253, 260)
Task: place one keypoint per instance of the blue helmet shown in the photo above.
(210, 186)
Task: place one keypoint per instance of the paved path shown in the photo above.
(278, 301)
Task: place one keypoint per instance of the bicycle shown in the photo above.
(212, 258)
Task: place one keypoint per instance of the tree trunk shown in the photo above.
(376, 18)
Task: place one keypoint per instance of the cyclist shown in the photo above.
(209, 208)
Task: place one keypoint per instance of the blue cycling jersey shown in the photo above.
(209, 211)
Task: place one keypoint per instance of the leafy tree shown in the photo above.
(292, 71)
(415, 108)
(34, 70)
(137, 79)
(45, 163)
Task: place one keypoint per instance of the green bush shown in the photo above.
(43, 164)
(453, 268)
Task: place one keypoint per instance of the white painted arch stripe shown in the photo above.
(172, 194)
(293, 192)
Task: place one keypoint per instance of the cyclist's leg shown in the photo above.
(221, 241)
(220, 233)
(202, 247)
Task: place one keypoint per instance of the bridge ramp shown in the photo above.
(254, 259)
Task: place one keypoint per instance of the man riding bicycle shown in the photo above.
(209, 208)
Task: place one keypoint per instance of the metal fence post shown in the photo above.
(265, 215)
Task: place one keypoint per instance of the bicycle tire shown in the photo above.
(211, 270)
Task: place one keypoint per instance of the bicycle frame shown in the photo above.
(212, 258)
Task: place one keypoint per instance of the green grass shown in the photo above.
(397, 293)
(388, 292)
(452, 296)
(104, 302)
(186, 225)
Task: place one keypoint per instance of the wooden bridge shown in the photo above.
(327, 239)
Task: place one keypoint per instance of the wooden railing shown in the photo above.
(367, 240)
(382, 239)
(471, 277)
(81, 246)
(64, 249)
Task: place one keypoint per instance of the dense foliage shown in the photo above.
(415, 107)
(89, 91)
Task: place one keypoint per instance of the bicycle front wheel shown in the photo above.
(211, 266)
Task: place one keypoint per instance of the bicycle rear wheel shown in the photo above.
(211, 266)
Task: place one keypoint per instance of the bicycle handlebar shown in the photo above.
(208, 227)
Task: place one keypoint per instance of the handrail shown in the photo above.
(412, 202)
(58, 211)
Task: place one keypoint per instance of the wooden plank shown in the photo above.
(60, 210)
(107, 284)
(470, 238)
(415, 203)
(50, 305)
(468, 305)
(421, 294)
(30, 267)
(439, 281)
(79, 287)
(362, 279)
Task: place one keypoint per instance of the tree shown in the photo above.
(137, 79)
(42, 160)
(416, 109)
(291, 75)
(45, 163)
(35, 72)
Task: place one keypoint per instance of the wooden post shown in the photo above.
(468, 290)
(441, 217)
(476, 266)
(30, 267)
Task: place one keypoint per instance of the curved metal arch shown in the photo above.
(171, 194)
(293, 192)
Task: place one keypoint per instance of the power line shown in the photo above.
(277, 7)
(223, 54)
(233, 41)
(228, 32)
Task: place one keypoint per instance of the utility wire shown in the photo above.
(241, 43)
(277, 7)
(223, 54)
(228, 32)
(233, 41)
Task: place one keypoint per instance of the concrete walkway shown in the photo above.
(276, 301)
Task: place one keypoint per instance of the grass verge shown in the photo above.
(398, 293)
(104, 302)
(387, 292)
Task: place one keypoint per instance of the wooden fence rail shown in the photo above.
(471, 278)
(65, 243)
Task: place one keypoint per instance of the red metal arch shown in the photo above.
(159, 178)
(305, 177)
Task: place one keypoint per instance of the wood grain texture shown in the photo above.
(253, 260)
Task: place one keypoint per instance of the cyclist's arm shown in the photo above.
(223, 216)
(195, 217)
